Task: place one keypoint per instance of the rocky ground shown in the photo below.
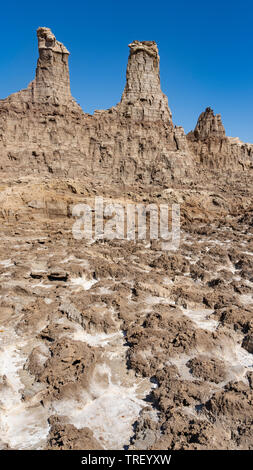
(120, 344)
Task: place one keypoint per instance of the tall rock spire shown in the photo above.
(142, 98)
(52, 73)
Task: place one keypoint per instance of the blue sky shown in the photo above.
(205, 50)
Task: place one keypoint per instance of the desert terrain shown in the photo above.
(117, 343)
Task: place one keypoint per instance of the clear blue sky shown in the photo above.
(206, 51)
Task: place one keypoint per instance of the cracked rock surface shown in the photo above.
(119, 343)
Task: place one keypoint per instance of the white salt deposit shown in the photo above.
(41, 284)
(238, 361)
(77, 333)
(7, 263)
(111, 414)
(201, 318)
(154, 300)
(247, 253)
(112, 401)
(83, 282)
(246, 299)
(97, 339)
(242, 357)
(180, 363)
(103, 291)
(21, 426)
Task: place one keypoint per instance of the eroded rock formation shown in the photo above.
(142, 99)
(209, 125)
(51, 85)
(214, 149)
(43, 130)
(92, 333)
(52, 74)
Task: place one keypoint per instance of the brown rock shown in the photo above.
(209, 125)
(142, 99)
(248, 343)
(213, 149)
(64, 436)
(207, 369)
(53, 135)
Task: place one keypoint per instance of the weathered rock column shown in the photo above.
(142, 99)
(52, 73)
(209, 125)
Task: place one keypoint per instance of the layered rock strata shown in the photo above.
(43, 130)
(51, 85)
(142, 98)
(52, 74)
(209, 125)
(214, 149)
(111, 343)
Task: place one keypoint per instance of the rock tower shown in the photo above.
(44, 131)
(214, 149)
(209, 125)
(52, 73)
(142, 99)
